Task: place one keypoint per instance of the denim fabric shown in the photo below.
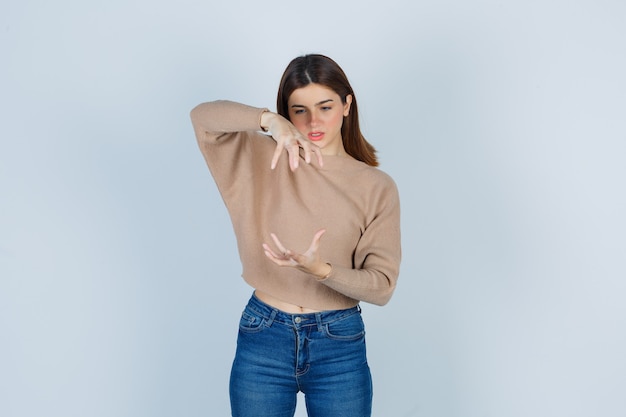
(320, 354)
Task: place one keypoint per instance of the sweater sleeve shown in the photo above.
(212, 121)
(376, 267)
(229, 139)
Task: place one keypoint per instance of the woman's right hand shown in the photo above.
(289, 139)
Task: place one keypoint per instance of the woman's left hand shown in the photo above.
(308, 261)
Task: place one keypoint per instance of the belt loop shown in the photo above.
(318, 319)
(270, 320)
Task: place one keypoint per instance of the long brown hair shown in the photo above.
(319, 69)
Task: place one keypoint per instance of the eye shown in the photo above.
(298, 111)
(326, 108)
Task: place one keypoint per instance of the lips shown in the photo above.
(315, 136)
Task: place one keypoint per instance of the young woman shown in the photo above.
(318, 231)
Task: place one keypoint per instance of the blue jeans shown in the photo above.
(279, 354)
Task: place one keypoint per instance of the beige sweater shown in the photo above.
(357, 204)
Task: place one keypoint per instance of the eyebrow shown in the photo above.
(317, 104)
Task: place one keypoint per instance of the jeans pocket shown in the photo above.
(251, 322)
(347, 328)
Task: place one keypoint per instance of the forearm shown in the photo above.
(212, 119)
(367, 285)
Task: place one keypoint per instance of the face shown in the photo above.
(317, 112)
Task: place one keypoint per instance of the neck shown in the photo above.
(338, 150)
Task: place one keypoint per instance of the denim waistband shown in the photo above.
(272, 314)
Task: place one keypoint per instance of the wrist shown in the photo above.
(324, 272)
(266, 119)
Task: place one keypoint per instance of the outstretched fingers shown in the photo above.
(293, 150)
(282, 257)
(292, 147)
(309, 148)
(308, 261)
(277, 153)
(278, 244)
(315, 243)
(289, 139)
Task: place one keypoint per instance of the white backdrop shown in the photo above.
(503, 124)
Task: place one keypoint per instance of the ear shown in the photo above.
(346, 106)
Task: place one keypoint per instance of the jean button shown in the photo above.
(297, 320)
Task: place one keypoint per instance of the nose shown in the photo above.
(314, 120)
